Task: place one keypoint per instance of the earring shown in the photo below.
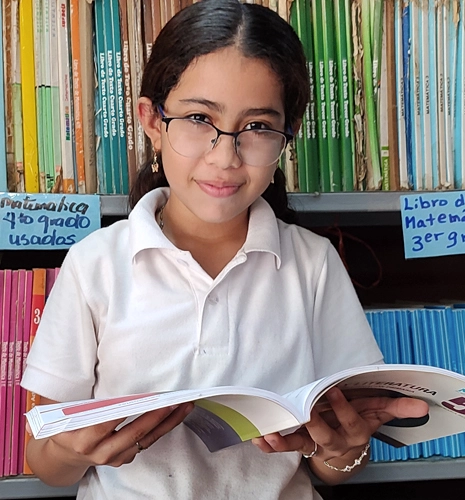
(155, 165)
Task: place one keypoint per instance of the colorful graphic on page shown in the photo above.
(219, 426)
(102, 403)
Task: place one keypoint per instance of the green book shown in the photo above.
(311, 138)
(331, 99)
(345, 91)
(299, 140)
(374, 176)
(321, 95)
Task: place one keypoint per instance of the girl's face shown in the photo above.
(233, 93)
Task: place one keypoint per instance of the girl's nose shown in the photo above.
(223, 153)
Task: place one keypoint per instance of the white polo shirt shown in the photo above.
(131, 313)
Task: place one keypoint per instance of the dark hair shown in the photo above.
(211, 25)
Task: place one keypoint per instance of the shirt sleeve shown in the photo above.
(342, 336)
(61, 363)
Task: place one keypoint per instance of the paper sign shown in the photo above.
(46, 221)
(433, 223)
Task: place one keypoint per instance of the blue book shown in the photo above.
(3, 162)
(102, 121)
(122, 163)
(112, 168)
(399, 78)
(406, 86)
(406, 357)
(430, 44)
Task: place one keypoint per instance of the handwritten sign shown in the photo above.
(46, 221)
(433, 223)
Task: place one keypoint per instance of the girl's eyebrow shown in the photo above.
(214, 106)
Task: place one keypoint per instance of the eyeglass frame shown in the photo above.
(168, 119)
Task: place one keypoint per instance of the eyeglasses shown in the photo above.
(195, 138)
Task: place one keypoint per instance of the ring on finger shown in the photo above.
(312, 454)
(139, 447)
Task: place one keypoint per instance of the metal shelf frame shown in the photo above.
(410, 470)
(360, 202)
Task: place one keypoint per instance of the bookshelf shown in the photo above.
(359, 209)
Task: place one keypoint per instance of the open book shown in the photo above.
(224, 416)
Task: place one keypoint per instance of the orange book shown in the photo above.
(77, 96)
(38, 302)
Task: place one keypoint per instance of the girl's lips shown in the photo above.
(218, 190)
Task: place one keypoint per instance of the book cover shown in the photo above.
(311, 139)
(359, 96)
(451, 31)
(55, 184)
(427, 117)
(295, 21)
(415, 91)
(17, 372)
(321, 96)
(7, 25)
(400, 98)
(75, 35)
(88, 77)
(156, 17)
(42, 141)
(102, 110)
(345, 91)
(11, 338)
(23, 393)
(3, 158)
(18, 182)
(5, 292)
(405, 27)
(373, 157)
(136, 55)
(121, 165)
(383, 112)
(242, 413)
(332, 105)
(37, 307)
(26, 30)
(66, 118)
(46, 118)
(112, 166)
(148, 33)
(441, 88)
(128, 107)
(391, 96)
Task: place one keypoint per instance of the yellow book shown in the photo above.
(28, 94)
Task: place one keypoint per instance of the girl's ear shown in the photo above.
(150, 121)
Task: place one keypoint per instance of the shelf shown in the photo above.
(362, 202)
(373, 201)
(413, 470)
(31, 487)
(114, 205)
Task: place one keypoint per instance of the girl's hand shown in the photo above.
(350, 429)
(102, 444)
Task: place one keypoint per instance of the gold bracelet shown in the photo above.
(349, 468)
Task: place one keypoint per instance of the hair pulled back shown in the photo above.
(211, 25)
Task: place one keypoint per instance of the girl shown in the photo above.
(207, 284)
